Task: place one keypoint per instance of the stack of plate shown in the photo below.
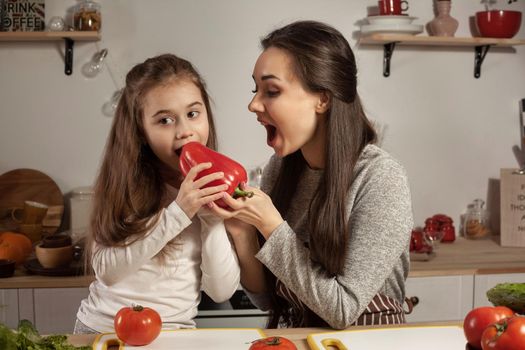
(391, 24)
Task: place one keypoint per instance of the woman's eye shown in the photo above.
(254, 91)
(272, 93)
(193, 114)
(166, 120)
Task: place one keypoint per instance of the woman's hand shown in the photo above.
(257, 210)
(192, 196)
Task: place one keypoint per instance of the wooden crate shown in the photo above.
(512, 208)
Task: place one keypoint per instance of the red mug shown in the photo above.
(392, 7)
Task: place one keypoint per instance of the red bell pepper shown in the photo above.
(194, 153)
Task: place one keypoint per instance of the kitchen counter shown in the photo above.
(462, 257)
(471, 257)
(296, 335)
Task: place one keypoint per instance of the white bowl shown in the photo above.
(390, 19)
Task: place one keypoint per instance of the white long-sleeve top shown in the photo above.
(203, 259)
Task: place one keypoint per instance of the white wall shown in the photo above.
(452, 132)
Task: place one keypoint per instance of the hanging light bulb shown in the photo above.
(110, 106)
(93, 67)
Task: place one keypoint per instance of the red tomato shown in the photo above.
(137, 325)
(479, 318)
(273, 343)
(507, 334)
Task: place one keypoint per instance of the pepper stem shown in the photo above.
(241, 193)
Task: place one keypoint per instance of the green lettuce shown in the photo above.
(26, 337)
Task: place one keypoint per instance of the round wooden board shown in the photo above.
(19, 185)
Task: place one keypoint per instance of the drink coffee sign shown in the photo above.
(22, 15)
(512, 208)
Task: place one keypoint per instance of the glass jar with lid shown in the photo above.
(476, 223)
(87, 16)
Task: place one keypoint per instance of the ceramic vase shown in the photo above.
(443, 24)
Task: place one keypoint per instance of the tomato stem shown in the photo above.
(501, 327)
(274, 341)
(137, 307)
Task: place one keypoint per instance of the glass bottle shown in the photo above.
(443, 24)
(476, 221)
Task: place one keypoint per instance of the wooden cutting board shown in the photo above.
(19, 185)
(406, 338)
(190, 339)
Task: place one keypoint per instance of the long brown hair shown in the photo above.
(130, 189)
(324, 62)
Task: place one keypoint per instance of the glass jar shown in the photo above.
(81, 201)
(87, 16)
(476, 223)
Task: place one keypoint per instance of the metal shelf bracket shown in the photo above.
(480, 53)
(68, 56)
(388, 51)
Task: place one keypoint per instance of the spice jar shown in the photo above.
(476, 223)
(87, 16)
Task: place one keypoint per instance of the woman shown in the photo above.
(333, 214)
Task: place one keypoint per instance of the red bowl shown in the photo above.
(498, 23)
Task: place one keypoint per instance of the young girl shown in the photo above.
(150, 243)
(334, 211)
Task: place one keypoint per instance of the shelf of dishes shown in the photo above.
(406, 39)
(481, 45)
(390, 31)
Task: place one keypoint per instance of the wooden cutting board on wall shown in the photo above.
(19, 185)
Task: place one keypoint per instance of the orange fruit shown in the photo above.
(15, 246)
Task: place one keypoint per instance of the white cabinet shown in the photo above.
(9, 307)
(441, 298)
(51, 310)
(482, 283)
(450, 298)
(56, 308)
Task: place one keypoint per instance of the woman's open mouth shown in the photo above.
(271, 133)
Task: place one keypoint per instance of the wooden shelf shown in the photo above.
(415, 40)
(480, 45)
(49, 36)
(69, 38)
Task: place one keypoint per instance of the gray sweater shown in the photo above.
(380, 214)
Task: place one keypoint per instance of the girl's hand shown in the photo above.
(258, 210)
(192, 196)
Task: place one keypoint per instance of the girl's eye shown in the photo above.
(193, 114)
(272, 93)
(166, 120)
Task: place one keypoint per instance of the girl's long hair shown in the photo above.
(324, 62)
(129, 189)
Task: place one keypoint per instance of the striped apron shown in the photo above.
(381, 310)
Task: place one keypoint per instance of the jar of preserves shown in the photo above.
(87, 16)
(476, 223)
